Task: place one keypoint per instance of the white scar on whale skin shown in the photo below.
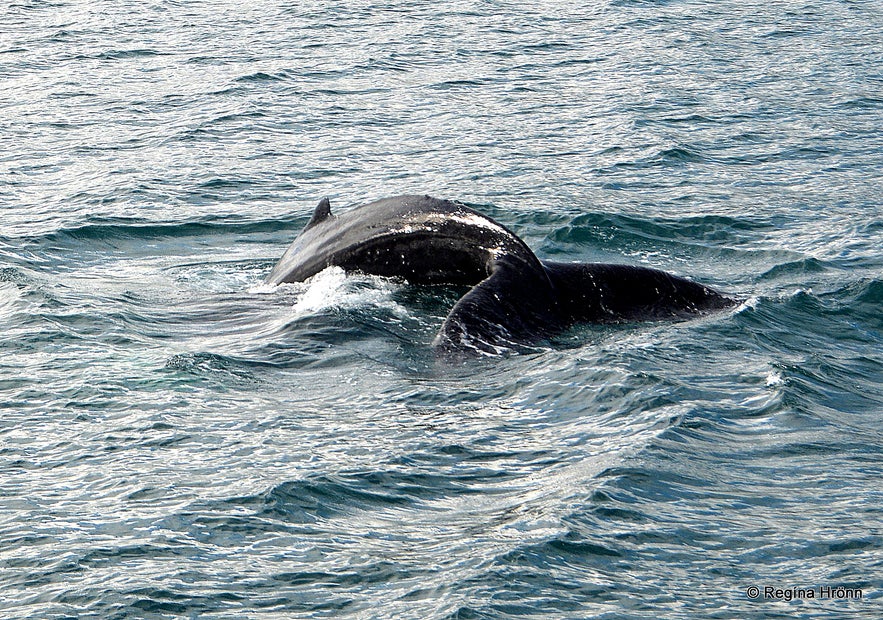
(469, 219)
(425, 223)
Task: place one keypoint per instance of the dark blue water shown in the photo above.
(178, 440)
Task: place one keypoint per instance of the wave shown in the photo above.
(126, 54)
(214, 364)
(260, 76)
(626, 234)
(792, 268)
(676, 156)
(859, 302)
(109, 228)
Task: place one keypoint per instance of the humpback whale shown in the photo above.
(515, 299)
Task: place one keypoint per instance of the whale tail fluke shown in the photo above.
(608, 293)
(497, 315)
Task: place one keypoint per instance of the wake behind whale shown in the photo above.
(516, 298)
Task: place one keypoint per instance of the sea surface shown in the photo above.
(180, 440)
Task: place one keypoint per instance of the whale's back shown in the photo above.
(421, 239)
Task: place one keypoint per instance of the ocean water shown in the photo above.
(178, 440)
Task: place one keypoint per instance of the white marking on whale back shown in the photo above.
(428, 222)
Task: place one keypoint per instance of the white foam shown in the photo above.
(774, 379)
(333, 288)
(748, 304)
(323, 290)
(263, 289)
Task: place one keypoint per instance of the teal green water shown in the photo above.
(178, 440)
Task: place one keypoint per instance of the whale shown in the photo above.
(514, 300)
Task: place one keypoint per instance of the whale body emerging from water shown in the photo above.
(515, 299)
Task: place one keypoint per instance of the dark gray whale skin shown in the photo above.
(516, 298)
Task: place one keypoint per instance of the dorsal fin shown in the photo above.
(322, 213)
